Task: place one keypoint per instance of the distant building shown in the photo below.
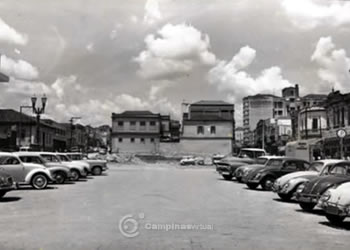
(313, 122)
(208, 127)
(239, 136)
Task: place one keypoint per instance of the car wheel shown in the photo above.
(39, 181)
(60, 177)
(96, 171)
(285, 197)
(2, 194)
(227, 177)
(239, 179)
(307, 206)
(335, 219)
(75, 175)
(267, 183)
(252, 185)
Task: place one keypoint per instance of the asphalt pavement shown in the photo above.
(160, 207)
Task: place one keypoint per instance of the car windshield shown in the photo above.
(251, 153)
(274, 163)
(316, 166)
(50, 158)
(64, 158)
(33, 159)
(76, 157)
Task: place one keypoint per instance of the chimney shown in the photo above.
(296, 90)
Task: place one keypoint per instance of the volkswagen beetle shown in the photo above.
(96, 167)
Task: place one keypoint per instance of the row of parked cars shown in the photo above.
(323, 183)
(39, 169)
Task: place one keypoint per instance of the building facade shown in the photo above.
(136, 132)
(208, 127)
(313, 122)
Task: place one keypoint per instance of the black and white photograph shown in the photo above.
(174, 124)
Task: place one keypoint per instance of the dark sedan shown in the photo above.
(274, 169)
(6, 183)
(308, 194)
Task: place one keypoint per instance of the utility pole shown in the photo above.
(72, 119)
(306, 132)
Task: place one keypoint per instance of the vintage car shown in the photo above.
(245, 169)
(76, 170)
(335, 202)
(58, 171)
(273, 170)
(286, 185)
(96, 167)
(37, 176)
(6, 183)
(191, 160)
(228, 165)
(309, 193)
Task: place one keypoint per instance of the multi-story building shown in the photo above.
(208, 127)
(338, 117)
(60, 136)
(312, 122)
(136, 132)
(239, 136)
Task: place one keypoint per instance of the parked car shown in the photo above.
(245, 169)
(58, 171)
(37, 176)
(287, 185)
(191, 160)
(228, 165)
(6, 183)
(274, 169)
(76, 170)
(96, 167)
(309, 193)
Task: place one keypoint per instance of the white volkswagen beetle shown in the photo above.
(25, 174)
(336, 203)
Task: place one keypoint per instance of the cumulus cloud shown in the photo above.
(64, 85)
(312, 13)
(25, 88)
(10, 35)
(152, 12)
(18, 69)
(231, 76)
(334, 65)
(174, 52)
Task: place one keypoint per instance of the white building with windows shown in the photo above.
(208, 127)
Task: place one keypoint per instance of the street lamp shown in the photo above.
(72, 119)
(38, 111)
(20, 122)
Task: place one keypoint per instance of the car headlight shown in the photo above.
(326, 196)
(2, 180)
(300, 188)
(257, 176)
(285, 186)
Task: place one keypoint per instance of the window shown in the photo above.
(200, 130)
(212, 130)
(132, 140)
(152, 123)
(142, 140)
(314, 123)
(120, 124)
(132, 125)
(120, 139)
(142, 123)
(152, 139)
(290, 166)
(9, 161)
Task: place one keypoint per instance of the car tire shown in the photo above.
(335, 219)
(252, 185)
(75, 175)
(60, 177)
(285, 197)
(2, 194)
(39, 181)
(267, 183)
(239, 179)
(227, 177)
(96, 171)
(307, 206)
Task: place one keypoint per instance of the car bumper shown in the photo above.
(334, 209)
(307, 198)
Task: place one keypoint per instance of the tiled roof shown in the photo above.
(211, 102)
(136, 114)
(315, 96)
(12, 116)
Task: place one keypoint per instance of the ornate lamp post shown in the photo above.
(38, 111)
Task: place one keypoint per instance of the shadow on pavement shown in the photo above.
(282, 201)
(343, 226)
(318, 212)
(9, 199)
(82, 180)
(256, 190)
(31, 188)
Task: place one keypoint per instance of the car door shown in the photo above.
(14, 167)
(289, 166)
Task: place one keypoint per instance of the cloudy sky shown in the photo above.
(94, 57)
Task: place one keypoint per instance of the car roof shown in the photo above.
(20, 153)
(329, 161)
(254, 149)
(269, 157)
(6, 154)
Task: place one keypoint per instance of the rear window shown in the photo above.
(261, 161)
(274, 163)
(316, 166)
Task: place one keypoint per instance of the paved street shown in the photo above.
(86, 215)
